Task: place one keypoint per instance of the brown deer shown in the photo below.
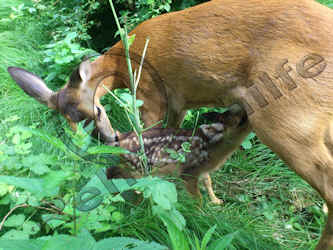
(208, 145)
(273, 57)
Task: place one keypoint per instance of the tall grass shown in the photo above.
(19, 46)
(21, 41)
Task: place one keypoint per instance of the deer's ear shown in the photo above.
(80, 75)
(32, 85)
(85, 70)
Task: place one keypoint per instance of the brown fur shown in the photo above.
(214, 54)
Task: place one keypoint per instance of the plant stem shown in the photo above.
(134, 83)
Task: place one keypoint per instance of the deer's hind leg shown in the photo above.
(324, 168)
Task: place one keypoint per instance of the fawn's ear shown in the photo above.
(234, 117)
(33, 86)
(80, 75)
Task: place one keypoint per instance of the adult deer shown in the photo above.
(273, 57)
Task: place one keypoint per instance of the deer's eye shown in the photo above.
(98, 112)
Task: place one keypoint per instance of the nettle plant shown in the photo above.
(68, 24)
(48, 200)
(62, 56)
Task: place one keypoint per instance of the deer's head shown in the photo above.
(75, 101)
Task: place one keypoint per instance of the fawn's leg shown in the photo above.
(208, 184)
(218, 154)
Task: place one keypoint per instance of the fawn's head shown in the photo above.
(224, 123)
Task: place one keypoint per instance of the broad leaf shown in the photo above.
(224, 242)
(15, 220)
(34, 186)
(15, 235)
(207, 237)
(31, 227)
(21, 244)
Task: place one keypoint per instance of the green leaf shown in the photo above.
(16, 139)
(251, 135)
(104, 227)
(19, 244)
(247, 144)
(178, 156)
(173, 153)
(53, 220)
(67, 59)
(127, 243)
(6, 200)
(119, 185)
(224, 242)
(5, 188)
(164, 194)
(207, 237)
(172, 215)
(51, 76)
(131, 40)
(47, 186)
(56, 142)
(32, 185)
(15, 220)
(166, 7)
(127, 99)
(31, 227)
(117, 217)
(37, 163)
(15, 235)
(32, 200)
(11, 119)
(70, 36)
(177, 236)
(80, 138)
(186, 146)
(66, 242)
(40, 169)
(53, 180)
(104, 149)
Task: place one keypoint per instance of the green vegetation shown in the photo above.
(41, 180)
